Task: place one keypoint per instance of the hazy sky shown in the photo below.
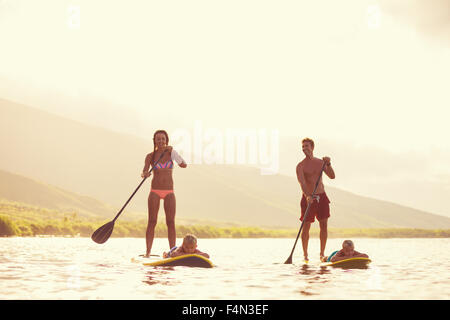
(345, 70)
(361, 73)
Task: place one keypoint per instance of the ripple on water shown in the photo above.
(33, 268)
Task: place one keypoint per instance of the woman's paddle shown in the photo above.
(104, 232)
(289, 260)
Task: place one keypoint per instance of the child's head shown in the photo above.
(189, 243)
(348, 246)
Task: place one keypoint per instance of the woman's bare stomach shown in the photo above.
(163, 180)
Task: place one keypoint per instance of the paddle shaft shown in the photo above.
(102, 234)
(140, 184)
(306, 214)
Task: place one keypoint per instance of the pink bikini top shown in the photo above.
(169, 163)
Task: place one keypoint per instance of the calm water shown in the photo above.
(77, 268)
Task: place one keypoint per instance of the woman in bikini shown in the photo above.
(162, 186)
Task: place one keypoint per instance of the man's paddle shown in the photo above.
(289, 260)
(104, 232)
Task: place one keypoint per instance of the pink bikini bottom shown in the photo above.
(161, 193)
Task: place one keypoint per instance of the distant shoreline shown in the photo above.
(11, 225)
(205, 232)
(430, 236)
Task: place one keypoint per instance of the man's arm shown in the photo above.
(301, 179)
(328, 168)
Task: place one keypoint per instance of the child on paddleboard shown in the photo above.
(189, 246)
(348, 251)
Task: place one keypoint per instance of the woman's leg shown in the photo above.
(153, 207)
(169, 208)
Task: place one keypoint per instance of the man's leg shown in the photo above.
(323, 236)
(305, 238)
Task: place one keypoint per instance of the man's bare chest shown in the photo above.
(311, 170)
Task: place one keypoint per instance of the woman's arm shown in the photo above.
(176, 157)
(145, 172)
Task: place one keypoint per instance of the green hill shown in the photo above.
(95, 163)
(19, 219)
(242, 194)
(275, 199)
(25, 190)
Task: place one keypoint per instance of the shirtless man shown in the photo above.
(308, 171)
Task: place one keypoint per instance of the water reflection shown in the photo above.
(307, 269)
(324, 270)
(77, 269)
(159, 275)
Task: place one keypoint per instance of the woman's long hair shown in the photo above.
(154, 144)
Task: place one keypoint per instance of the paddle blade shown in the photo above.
(289, 260)
(103, 233)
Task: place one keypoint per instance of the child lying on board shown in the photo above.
(348, 251)
(189, 246)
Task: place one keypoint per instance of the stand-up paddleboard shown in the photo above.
(351, 263)
(188, 260)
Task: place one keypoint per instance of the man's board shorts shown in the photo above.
(318, 209)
